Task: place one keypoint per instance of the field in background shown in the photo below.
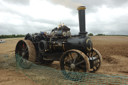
(114, 50)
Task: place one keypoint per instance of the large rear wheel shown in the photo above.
(25, 53)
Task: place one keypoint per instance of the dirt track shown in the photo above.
(114, 50)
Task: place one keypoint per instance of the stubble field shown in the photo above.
(114, 50)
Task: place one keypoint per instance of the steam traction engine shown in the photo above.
(75, 53)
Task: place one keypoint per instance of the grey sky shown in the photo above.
(102, 16)
(22, 2)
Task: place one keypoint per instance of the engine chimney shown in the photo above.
(82, 25)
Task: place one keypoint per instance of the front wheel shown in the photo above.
(73, 63)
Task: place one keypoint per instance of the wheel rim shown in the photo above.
(95, 60)
(73, 64)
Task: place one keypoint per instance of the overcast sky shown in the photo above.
(30, 16)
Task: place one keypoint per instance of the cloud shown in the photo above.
(19, 21)
(106, 16)
(91, 5)
(118, 26)
(28, 22)
(68, 3)
(22, 2)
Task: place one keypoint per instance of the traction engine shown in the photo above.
(75, 52)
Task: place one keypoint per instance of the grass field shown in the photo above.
(114, 50)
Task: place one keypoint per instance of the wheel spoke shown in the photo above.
(26, 49)
(26, 52)
(74, 60)
(79, 62)
(67, 63)
(70, 57)
(94, 68)
(76, 57)
(97, 63)
(67, 68)
(94, 55)
(91, 53)
(95, 58)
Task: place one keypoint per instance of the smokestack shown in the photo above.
(82, 25)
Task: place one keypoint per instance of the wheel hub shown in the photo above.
(72, 66)
(23, 53)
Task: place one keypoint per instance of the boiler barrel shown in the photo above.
(83, 44)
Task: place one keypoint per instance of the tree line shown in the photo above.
(91, 34)
(11, 36)
(21, 35)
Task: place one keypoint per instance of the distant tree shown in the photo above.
(11, 36)
(100, 35)
(90, 34)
